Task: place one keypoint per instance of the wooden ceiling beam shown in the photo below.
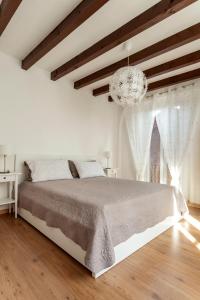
(110, 99)
(7, 10)
(101, 90)
(169, 66)
(78, 16)
(179, 39)
(191, 75)
(145, 20)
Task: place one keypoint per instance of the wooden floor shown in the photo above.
(32, 267)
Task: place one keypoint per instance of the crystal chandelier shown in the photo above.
(128, 85)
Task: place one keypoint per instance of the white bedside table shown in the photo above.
(111, 172)
(12, 180)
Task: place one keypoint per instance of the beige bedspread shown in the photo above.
(100, 213)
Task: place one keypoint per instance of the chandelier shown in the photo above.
(128, 86)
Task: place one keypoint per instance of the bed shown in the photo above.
(100, 221)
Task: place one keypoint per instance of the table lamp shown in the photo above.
(4, 151)
(108, 156)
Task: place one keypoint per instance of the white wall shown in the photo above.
(40, 116)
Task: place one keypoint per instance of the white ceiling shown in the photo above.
(35, 19)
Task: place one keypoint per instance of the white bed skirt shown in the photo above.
(122, 250)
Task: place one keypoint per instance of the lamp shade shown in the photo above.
(107, 154)
(4, 150)
(128, 86)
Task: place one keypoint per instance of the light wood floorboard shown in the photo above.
(33, 268)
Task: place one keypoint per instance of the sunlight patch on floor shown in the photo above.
(188, 235)
(194, 222)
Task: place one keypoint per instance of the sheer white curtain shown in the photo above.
(176, 112)
(139, 122)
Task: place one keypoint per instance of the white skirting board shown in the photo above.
(122, 250)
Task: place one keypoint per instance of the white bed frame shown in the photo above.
(122, 250)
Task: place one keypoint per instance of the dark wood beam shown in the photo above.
(179, 39)
(110, 99)
(194, 74)
(101, 90)
(191, 75)
(7, 10)
(148, 18)
(169, 66)
(175, 64)
(79, 15)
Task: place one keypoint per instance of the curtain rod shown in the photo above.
(173, 89)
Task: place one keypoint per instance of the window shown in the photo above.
(159, 171)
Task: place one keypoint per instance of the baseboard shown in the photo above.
(195, 205)
(3, 211)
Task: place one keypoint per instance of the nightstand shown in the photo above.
(111, 172)
(12, 180)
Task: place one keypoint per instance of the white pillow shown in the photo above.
(87, 169)
(43, 170)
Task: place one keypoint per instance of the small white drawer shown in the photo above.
(7, 177)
